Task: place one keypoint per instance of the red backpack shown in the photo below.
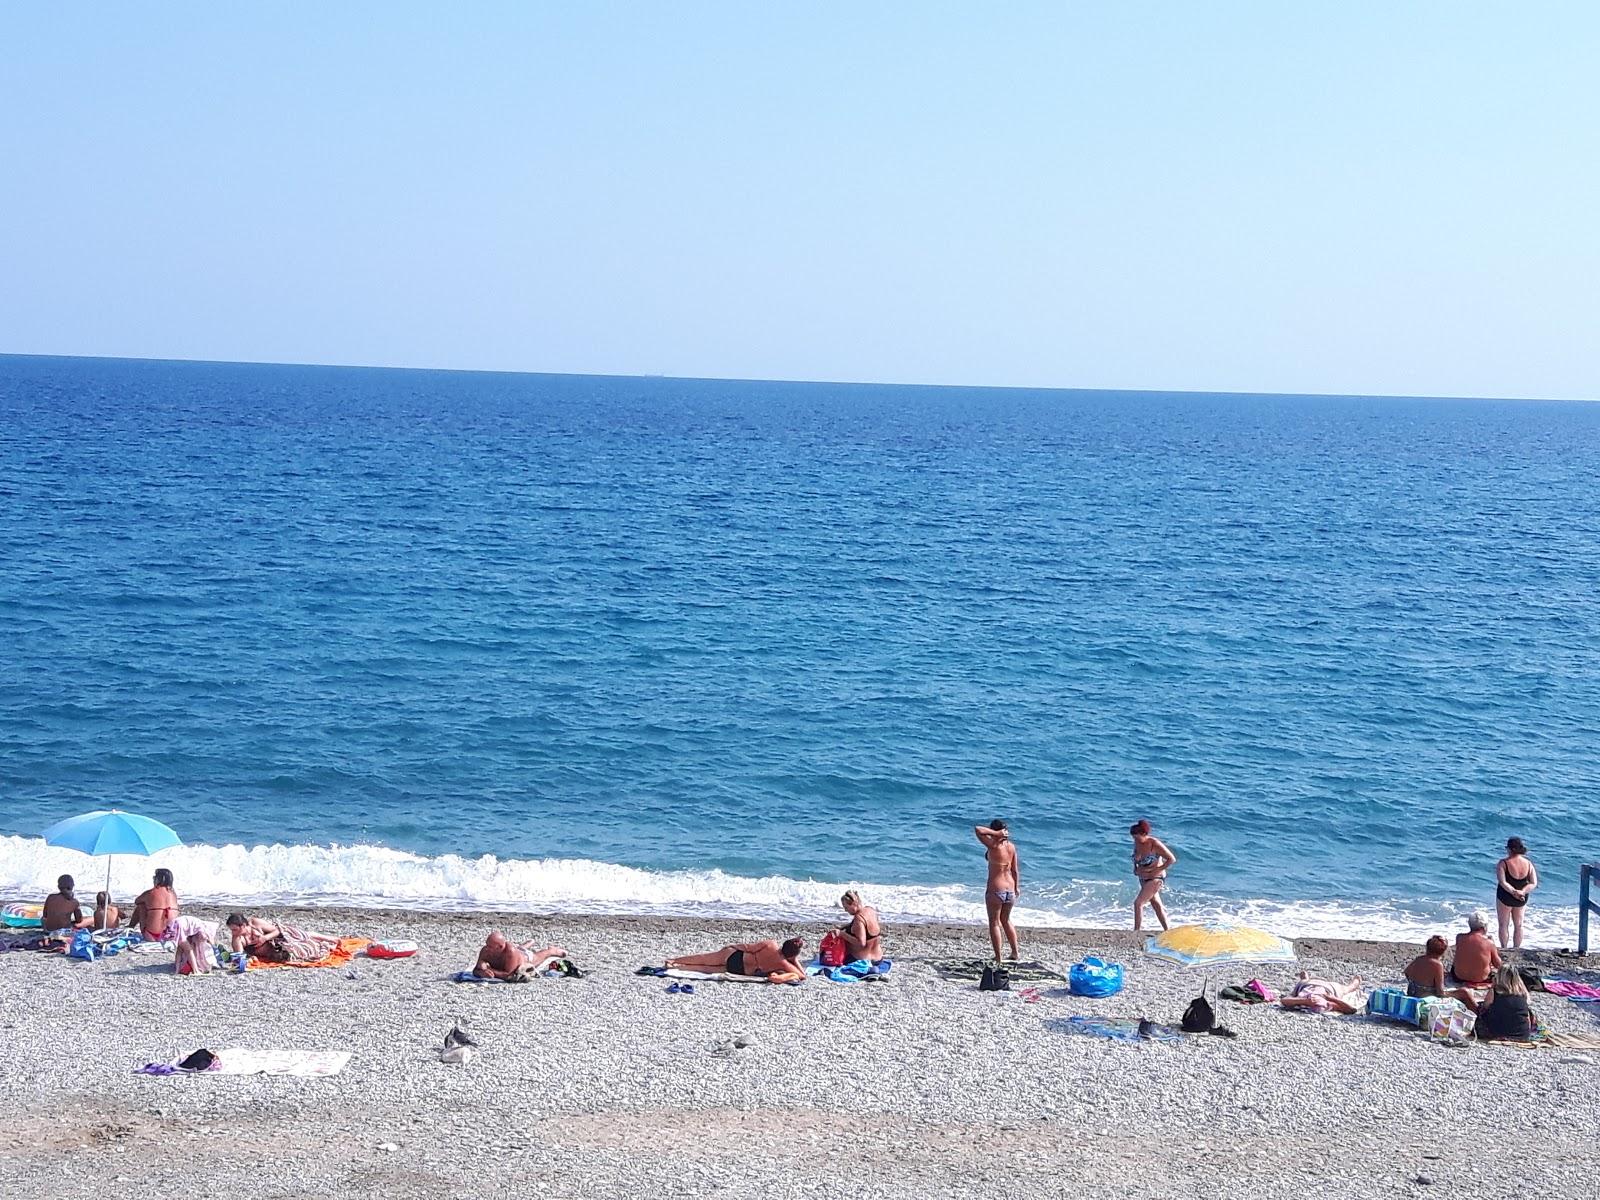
(831, 950)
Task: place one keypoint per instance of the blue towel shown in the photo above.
(851, 972)
(469, 977)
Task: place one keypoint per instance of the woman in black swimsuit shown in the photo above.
(863, 936)
(1515, 877)
(763, 960)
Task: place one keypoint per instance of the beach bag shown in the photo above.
(1095, 977)
(82, 946)
(1531, 979)
(200, 1060)
(1450, 1021)
(831, 950)
(1199, 1017)
(1394, 1004)
(995, 978)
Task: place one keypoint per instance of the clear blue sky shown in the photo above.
(1370, 197)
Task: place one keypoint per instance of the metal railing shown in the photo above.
(1586, 905)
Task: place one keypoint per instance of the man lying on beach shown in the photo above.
(778, 964)
(501, 958)
(62, 910)
(1476, 960)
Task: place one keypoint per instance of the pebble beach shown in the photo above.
(610, 1086)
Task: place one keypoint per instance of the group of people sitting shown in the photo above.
(1477, 977)
(154, 909)
(156, 917)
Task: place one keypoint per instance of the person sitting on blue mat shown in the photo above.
(863, 936)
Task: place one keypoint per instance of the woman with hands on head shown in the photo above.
(1004, 884)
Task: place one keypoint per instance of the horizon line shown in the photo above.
(996, 387)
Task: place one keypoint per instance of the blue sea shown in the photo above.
(598, 644)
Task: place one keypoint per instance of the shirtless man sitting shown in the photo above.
(863, 937)
(779, 964)
(1475, 963)
(62, 910)
(501, 958)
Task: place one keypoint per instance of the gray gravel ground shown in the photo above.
(608, 1086)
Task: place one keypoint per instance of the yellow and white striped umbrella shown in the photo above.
(1204, 945)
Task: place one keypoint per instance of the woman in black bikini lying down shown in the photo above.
(779, 964)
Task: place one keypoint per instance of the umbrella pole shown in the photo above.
(105, 913)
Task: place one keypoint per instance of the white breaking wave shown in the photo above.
(380, 877)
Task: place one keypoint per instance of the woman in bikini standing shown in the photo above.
(1151, 858)
(1514, 876)
(1005, 882)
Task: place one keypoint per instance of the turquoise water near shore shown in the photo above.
(640, 644)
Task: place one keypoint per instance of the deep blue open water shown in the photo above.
(702, 645)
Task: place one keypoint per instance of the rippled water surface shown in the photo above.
(745, 635)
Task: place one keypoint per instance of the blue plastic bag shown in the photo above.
(1095, 977)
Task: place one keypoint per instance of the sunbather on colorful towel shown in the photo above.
(779, 964)
(273, 941)
(501, 958)
(1323, 995)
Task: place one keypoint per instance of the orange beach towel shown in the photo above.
(347, 949)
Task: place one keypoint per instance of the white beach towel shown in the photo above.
(307, 1064)
(679, 973)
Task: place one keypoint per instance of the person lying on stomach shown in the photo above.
(778, 964)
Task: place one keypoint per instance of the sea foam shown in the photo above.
(368, 876)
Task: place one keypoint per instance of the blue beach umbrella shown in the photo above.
(109, 832)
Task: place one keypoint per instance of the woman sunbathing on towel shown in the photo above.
(272, 941)
(779, 964)
(1323, 995)
(501, 958)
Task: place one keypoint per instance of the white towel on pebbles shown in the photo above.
(307, 1064)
